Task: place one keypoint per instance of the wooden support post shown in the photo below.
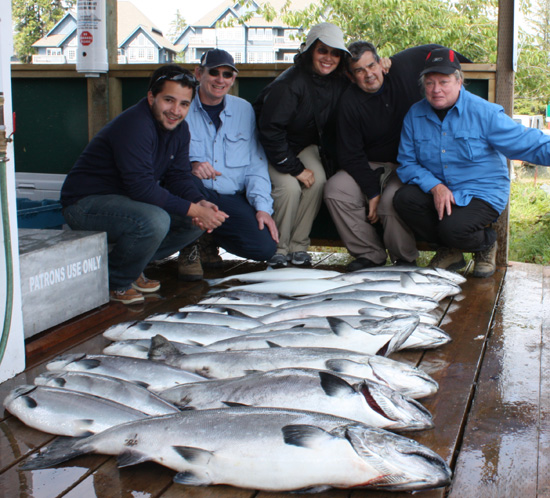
(100, 108)
(505, 97)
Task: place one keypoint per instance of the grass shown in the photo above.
(530, 221)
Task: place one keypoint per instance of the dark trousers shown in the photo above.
(239, 234)
(465, 229)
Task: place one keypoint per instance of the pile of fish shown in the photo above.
(281, 383)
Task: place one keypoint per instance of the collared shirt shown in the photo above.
(467, 150)
(233, 150)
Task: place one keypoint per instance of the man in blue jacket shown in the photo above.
(133, 181)
(229, 165)
(452, 156)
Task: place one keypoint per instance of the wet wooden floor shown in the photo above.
(491, 413)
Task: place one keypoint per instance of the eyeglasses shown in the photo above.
(178, 77)
(216, 72)
(333, 52)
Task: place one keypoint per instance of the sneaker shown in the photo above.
(210, 257)
(361, 264)
(448, 258)
(129, 296)
(300, 258)
(143, 284)
(189, 264)
(278, 261)
(485, 262)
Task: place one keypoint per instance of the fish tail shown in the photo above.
(61, 450)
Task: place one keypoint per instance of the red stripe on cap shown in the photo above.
(451, 56)
(428, 56)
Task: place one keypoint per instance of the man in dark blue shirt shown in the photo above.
(133, 181)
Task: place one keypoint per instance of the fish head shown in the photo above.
(402, 464)
(20, 394)
(52, 378)
(406, 379)
(401, 412)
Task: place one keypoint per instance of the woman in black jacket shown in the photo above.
(294, 114)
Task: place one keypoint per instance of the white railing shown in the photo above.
(48, 59)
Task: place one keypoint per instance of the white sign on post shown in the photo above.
(91, 57)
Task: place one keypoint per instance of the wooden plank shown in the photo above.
(499, 456)
(454, 367)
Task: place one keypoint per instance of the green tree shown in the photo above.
(532, 82)
(177, 25)
(33, 20)
(469, 26)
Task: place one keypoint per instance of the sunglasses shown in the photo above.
(216, 72)
(325, 51)
(178, 77)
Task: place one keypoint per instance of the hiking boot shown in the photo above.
(361, 264)
(143, 284)
(485, 262)
(300, 258)
(448, 258)
(278, 261)
(189, 264)
(129, 296)
(210, 257)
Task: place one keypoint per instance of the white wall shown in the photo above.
(13, 360)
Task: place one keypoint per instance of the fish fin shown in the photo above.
(61, 450)
(144, 325)
(29, 401)
(192, 479)
(336, 365)
(234, 403)
(131, 457)
(195, 456)
(249, 372)
(335, 386)
(307, 436)
(407, 282)
(312, 489)
(89, 363)
(82, 427)
(161, 348)
(339, 326)
(59, 381)
(272, 344)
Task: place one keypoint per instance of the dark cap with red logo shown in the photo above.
(441, 60)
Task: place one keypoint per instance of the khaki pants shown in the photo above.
(348, 207)
(294, 206)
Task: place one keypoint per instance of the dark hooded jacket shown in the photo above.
(286, 119)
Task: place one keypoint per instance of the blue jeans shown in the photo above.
(140, 233)
(239, 234)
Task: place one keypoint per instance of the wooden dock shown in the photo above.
(491, 413)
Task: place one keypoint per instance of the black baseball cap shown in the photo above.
(441, 60)
(216, 58)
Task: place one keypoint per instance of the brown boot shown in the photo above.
(448, 258)
(485, 262)
(189, 264)
(210, 257)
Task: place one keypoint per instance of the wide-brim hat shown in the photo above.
(330, 34)
(441, 60)
(217, 58)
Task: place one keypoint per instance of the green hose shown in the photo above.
(7, 236)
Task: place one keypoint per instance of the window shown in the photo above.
(53, 51)
(71, 54)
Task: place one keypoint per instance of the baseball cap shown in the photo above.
(216, 58)
(441, 60)
(329, 34)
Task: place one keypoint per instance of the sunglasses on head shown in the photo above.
(324, 51)
(216, 72)
(178, 77)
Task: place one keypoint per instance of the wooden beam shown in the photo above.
(505, 97)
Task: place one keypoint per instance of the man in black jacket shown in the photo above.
(359, 197)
